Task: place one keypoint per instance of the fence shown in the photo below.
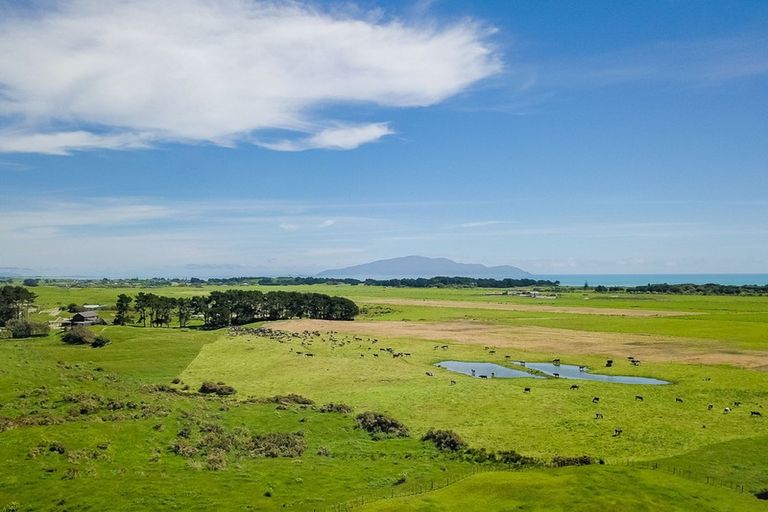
(690, 475)
(411, 490)
(433, 485)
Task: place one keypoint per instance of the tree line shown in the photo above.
(231, 307)
(689, 289)
(421, 282)
(15, 302)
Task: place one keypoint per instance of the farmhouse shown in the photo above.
(84, 318)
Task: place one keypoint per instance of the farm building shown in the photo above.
(84, 318)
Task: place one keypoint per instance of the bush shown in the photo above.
(27, 329)
(218, 388)
(340, 408)
(78, 335)
(278, 444)
(560, 461)
(75, 308)
(378, 424)
(445, 440)
(762, 495)
(291, 398)
(101, 341)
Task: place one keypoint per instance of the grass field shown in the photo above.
(98, 429)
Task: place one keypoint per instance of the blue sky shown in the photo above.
(253, 138)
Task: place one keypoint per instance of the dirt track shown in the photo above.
(528, 307)
(553, 341)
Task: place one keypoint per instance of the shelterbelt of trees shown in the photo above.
(421, 282)
(232, 307)
(689, 289)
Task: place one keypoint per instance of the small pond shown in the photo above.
(564, 371)
(488, 370)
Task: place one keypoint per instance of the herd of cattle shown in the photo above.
(307, 339)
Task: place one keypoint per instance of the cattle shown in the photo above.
(453, 383)
(678, 400)
(574, 386)
(473, 371)
(598, 415)
(430, 374)
(556, 362)
(556, 375)
(595, 399)
(617, 432)
(737, 404)
(527, 390)
(309, 354)
(375, 355)
(726, 410)
(483, 376)
(507, 357)
(522, 363)
(710, 407)
(755, 414)
(639, 398)
(582, 368)
(609, 363)
(635, 362)
(493, 374)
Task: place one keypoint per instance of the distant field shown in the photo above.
(117, 456)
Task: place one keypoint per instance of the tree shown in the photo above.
(31, 282)
(14, 303)
(123, 307)
(184, 310)
(141, 305)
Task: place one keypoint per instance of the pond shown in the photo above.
(564, 371)
(487, 370)
(569, 371)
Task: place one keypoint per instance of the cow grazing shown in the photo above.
(483, 376)
(556, 375)
(639, 398)
(430, 374)
(527, 390)
(710, 407)
(755, 414)
(609, 363)
(598, 415)
(617, 432)
(574, 386)
(726, 410)
(453, 383)
(582, 368)
(595, 399)
(737, 404)
(678, 400)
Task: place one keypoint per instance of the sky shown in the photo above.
(221, 138)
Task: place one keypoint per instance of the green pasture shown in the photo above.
(582, 489)
(52, 394)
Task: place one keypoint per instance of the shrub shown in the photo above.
(78, 335)
(340, 408)
(445, 440)
(762, 495)
(100, 341)
(378, 424)
(560, 461)
(278, 444)
(27, 329)
(75, 308)
(291, 398)
(218, 388)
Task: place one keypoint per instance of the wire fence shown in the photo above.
(440, 483)
(415, 489)
(691, 475)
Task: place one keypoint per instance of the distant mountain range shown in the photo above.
(420, 266)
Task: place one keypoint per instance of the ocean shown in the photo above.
(642, 279)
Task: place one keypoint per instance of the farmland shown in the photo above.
(123, 428)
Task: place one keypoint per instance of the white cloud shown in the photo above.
(120, 74)
(345, 137)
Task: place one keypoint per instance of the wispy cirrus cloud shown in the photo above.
(87, 74)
